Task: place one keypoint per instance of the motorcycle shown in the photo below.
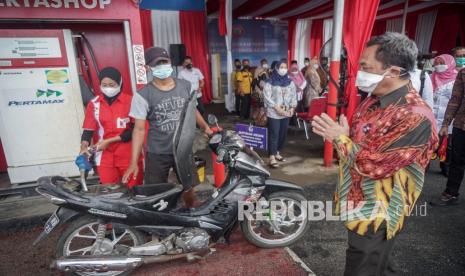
(114, 230)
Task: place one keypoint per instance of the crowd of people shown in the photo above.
(436, 85)
(274, 94)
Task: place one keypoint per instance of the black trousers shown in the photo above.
(200, 106)
(245, 106)
(457, 162)
(157, 169)
(369, 255)
(277, 132)
(238, 104)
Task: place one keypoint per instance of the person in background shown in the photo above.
(160, 103)
(459, 55)
(443, 79)
(108, 115)
(262, 69)
(306, 64)
(237, 70)
(280, 103)
(313, 89)
(261, 76)
(300, 83)
(195, 77)
(273, 66)
(392, 138)
(244, 80)
(421, 82)
(455, 113)
(322, 72)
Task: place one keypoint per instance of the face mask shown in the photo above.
(315, 66)
(246, 67)
(189, 66)
(110, 91)
(295, 72)
(440, 68)
(238, 67)
(367, 82)
(162, 71)
(460, 61)
(307, 63)
(265, 66)
(282, 71)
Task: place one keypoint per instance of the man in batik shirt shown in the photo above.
(382, 156)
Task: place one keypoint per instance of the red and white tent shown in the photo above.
(310, 21)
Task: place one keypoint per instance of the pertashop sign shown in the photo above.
(56, 4)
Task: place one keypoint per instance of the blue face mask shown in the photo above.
(162, 71)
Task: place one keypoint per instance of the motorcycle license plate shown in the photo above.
(51, 223)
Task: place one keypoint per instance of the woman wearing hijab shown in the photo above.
(443, 79)
(300, 83)
(280, 103)
(313, 89)
(107, 115)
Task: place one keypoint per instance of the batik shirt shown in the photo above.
(382, 164)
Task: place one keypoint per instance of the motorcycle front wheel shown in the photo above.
(277, 224)
(80, 239)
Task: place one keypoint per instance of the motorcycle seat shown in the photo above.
(150, 193)
(148, 190)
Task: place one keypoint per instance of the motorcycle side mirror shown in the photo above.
(212, 120)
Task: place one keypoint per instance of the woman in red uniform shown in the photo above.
(107, 120)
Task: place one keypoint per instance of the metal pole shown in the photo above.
(132, 73)
(334, 67)
(404, 16)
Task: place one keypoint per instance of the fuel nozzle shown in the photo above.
(84, 166)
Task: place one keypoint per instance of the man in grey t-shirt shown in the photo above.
(160, 103)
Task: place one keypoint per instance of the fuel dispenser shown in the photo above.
(41, 110)
(50, 56)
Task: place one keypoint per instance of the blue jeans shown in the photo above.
(277, 132)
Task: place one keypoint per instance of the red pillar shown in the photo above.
(331, 108)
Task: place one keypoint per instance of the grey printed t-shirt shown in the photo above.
(162, 109)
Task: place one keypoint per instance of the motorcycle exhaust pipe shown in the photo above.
(97, 264)
(109, 263)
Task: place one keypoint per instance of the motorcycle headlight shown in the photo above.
(216, 139)
(236, 140)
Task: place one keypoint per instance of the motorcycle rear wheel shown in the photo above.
(265, 233)
(75, 230)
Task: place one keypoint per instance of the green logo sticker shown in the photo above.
(47, 93)
(57, 76)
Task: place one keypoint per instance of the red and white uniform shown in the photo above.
(108, 121)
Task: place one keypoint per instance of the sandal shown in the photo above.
(273, 164)
(280, 158)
